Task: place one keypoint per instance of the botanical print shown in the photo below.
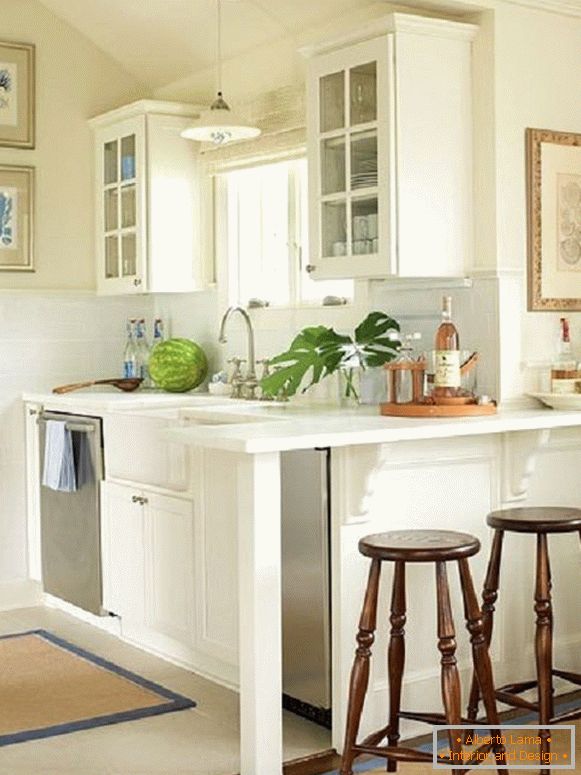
(8, 94)
(8, 214)
(569, 231)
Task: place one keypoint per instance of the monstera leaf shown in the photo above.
(318, 351)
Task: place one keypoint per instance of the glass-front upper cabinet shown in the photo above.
(121, 162)
(389, 145)
(348, 135)
(148, 200)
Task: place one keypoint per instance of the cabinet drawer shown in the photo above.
(135, 451)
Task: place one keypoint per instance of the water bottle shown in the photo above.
(142, 349)
(130, 353)
(158, 331)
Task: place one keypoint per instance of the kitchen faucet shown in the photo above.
(249, 383)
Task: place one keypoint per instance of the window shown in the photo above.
(266, 237)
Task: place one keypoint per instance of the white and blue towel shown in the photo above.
(59, 462)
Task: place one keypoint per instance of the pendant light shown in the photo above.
(219, 125)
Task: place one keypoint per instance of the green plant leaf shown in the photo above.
(316, 350)
(376, 339)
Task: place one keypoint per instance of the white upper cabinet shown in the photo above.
(148, 220)
(390, 150)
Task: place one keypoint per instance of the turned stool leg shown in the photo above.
(480, 653)
(447, 648)
(543, 641)
(489, 597)
(360, 670)
(396, 656)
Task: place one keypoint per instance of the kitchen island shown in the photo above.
(390, 473)
(385, 473)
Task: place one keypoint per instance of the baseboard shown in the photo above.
(23, 593)
(108, 624)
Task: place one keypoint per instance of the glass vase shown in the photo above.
(350, 386)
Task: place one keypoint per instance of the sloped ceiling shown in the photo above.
(160, 41)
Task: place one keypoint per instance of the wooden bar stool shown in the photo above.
(539, 521)
(401, 547)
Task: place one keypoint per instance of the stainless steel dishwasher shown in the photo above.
(70, 524)
(306, 606)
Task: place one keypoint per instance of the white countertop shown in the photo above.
(289, 429)
(254, 427)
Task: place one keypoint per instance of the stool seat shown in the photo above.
(539, 519)
(419, 545)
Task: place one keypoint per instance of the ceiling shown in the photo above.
(160, 41)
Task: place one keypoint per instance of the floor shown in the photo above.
(201, 741)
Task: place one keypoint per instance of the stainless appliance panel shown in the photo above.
(70, 526)
(305, 580)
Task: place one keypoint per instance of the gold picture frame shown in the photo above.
(553, 169)
(17, 95)
(16, 218)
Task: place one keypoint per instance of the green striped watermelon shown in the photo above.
(178, 365)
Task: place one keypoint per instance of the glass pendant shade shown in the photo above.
(219, 125)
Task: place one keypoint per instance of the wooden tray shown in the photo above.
(437, 410)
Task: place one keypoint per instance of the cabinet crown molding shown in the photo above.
(564, 7)
(141, 107)
(394, 22)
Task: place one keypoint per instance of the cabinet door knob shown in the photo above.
(33, 412)
(135, 499)
(310, 268)
(137, 282)
(143, 501)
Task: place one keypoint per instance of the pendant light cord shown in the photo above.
(219, 46)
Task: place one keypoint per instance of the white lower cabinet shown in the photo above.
(148, 567)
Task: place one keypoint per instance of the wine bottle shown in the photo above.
(447, 366)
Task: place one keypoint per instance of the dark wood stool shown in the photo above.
(401, 547)
(539, 521)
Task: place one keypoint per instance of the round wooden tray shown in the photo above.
(437, 410)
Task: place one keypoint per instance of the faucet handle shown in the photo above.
(265, 363)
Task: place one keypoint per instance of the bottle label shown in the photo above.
(447, 372)
(129, 369)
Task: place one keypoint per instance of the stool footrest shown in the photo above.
(570, 715)
(397, 753)
(516, 701)
(428, 718)
(574, 678)
(517, 688)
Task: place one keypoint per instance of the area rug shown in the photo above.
(51, 687)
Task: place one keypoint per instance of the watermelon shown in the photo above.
(178, 365)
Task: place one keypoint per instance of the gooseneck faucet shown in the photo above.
(250, 382)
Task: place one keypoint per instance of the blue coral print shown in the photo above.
(6, 213)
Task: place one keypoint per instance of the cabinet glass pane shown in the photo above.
(111, 256)
(128, 157)
(111, 209)
(332, 101)
(364, 226)
(110, 162)
(363, 91)
(128, 207)
(333, 165)
(129, 254)
(364, 159)
(334, 228)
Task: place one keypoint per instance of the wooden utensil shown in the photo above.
(126, 385)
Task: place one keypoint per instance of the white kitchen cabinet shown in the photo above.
(148, 220)
(390, 150)
(148, 567)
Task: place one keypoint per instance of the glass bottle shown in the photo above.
(130, 352)
(158, 331)
(447, 356)
(142, 353)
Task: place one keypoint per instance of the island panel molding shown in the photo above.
(553, 161)
(17, 90)
(16, 219)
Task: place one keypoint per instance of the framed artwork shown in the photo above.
(554, 220)
(16, 219)
(17, 81)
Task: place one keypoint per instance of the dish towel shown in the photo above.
(59, 462)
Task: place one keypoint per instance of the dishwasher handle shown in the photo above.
(70, 426)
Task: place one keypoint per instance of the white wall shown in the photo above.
(75, 81)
